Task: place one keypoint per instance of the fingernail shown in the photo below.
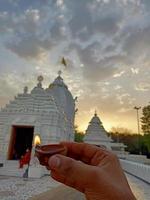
(54, 162)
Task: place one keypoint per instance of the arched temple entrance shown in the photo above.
(20, 140)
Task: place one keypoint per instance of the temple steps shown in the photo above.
(11, 168)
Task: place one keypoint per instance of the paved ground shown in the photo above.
(61, 192)
(18, 189)
(12, 188)
(140, 189)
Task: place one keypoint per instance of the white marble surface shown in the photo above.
(140, 189)
(138, 169)
(12, 188)
(52, 120)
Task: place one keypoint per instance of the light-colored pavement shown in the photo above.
(12, 188)
(140, 189)
(62, 192)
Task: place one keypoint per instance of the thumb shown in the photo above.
(71, 172)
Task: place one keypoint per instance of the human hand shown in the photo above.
(92, 170)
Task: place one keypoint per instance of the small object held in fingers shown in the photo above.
(44, 152)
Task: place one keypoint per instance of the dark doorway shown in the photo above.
(20, 141)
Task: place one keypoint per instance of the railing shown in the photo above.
(139, 170)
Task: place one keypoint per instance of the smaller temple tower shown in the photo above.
(96, 134)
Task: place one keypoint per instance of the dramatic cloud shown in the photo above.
(30, 47)
(134, 70)
(105, 42)
(137, 44)
(143, 87)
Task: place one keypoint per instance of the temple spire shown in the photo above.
(95, 113)
(25, 90)
(40, 79)
(59, 73)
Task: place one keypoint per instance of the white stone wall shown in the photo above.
(39, 109)
(51, 127)
(139, 170)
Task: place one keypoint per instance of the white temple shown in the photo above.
(97, 135)
(47, 112)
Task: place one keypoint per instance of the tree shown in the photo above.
(135, 143)
(125, 136)
(145, 120)
(78, 135)
(145, 145)
(121, 130)
(116, 133)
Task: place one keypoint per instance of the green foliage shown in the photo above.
(120, 130)
(78, 137)
(135, 143)
(131, 141)
(146, 141)
(145, 120)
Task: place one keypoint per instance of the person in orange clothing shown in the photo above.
(25, 159)
(92, 170)
(21, 162)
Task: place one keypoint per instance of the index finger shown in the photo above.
(82, 151)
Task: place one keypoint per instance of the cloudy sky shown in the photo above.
(105, 42)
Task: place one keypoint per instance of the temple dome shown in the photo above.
(58, 82)
(95, 120)
(63, 97)
(37, 90)
(36, 101)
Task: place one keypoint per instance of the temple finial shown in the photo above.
(25, 90)
(95, 113)
(40, 79)
(59, 73)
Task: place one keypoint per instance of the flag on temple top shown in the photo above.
(63, 61)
